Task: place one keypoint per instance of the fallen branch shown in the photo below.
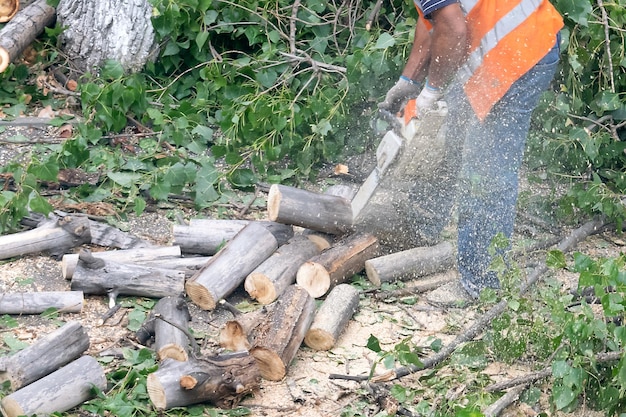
(503, 402)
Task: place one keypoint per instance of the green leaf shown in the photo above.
(385, 41)
(125, 179)
(556, 259)
(373, 344)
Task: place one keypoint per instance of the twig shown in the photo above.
(292, 26)
(373, 15)
(607, 43)
(503, 402)
(318, 64)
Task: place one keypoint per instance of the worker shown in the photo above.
(489, 60)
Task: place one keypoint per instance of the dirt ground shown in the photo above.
(307, 389)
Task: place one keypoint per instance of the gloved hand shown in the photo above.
(403, 90)
(427, 98)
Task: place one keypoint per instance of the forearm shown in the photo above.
(448, 45)
(416, 67)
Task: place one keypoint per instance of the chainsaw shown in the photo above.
(409, 151)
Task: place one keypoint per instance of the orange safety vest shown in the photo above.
(507, 39)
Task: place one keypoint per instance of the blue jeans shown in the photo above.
(485, 159)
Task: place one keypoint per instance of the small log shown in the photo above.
(45, 356)
(234, 335)
(230, 266)
(332, 317)
(38, 302)
(337, 264)
(171, 317)
(276, 273)
(97, 276)
(410, 264)
(322, 212)
(208, 236)
(139, 255)
(221, 380)
(68, 232)
(58, 392)
(278, 337)
(111, 237)
(8, 9)
(22, 30)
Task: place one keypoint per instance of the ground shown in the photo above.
(307, 389)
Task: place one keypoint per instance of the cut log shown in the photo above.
(276, 273)
(45, 356)
(22, 30)
(332, 317)
(278, 337)
(208, 236)
(58, 392)
(8, 8)
(321, 212)
(68, 232)
(337, 264)
(234, 335)
(221, 380)
(69, 261)
(38, 302)
(108, 236)
(230, 266)
(98, 276)
(171, 317)
(410, 264)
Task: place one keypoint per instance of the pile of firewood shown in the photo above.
(307, 249)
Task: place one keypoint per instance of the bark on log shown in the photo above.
(230, 266)
(97, 31)
(234, 336)
(410, 264)
(45, 356)
(38, 302)
(321, 212)
(221, 380)
(170, 316)
(208, 236)
(270, 279)
(22, 30)
(111, 237)
(58, 392)
(332, 317)
(277, 339)
(69, 232)
(8, 8)
(333, 266)
(70, 260)
(98, 276)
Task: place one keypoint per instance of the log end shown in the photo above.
(372, 274)
(270, 364)
(260, 288)
(273, 202)
(8, 10)
(322, 241)
(200, 295)
(156, 392)
(319, 339)
(233, 337)
(5, 59)
(314, 278)
(11, 408)
(173, 351)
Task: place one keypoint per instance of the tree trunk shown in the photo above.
(101, 30)
(24, 27)
(38, 302)
(58, 392)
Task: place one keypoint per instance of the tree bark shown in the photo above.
(38, 302)
(333, 266)
(332, 317)
(230, 266)
(222, 380)
(410, 264)
(170, 317)
(276, 273)
(45, 356)
(58, 392)
(97, 31)
(321, 212)
(22, 30)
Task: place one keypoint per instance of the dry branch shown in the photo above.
(38, 302)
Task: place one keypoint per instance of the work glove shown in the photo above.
(427, 99)
(405, 89)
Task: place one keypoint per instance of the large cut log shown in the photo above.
(332, 317)
(58, 392)
(322, 212)
(337, 264)
(67, 233)
(276, 273)
(410, 264)
(22, 30)
(222, 380)
(38, 302)
(8, 8)
(278, 337)
(229, 267)
(98, 276)
(171, 320)
(208, 236)
(45, 356)
(127, 256)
